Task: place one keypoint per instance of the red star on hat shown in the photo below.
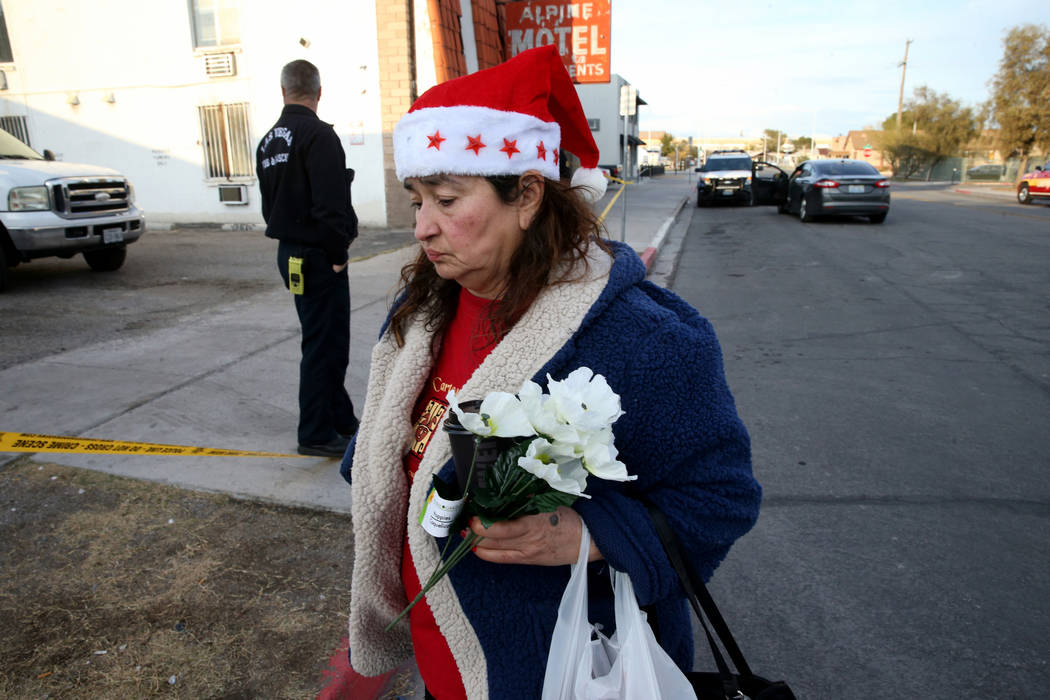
(435, 140)
(474, 144)
(541, 152)
(510, 147)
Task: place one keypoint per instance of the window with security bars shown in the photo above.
(17, 127)
(227, 141)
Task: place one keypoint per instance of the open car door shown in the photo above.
(769, 184)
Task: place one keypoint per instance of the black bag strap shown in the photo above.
(696, 591)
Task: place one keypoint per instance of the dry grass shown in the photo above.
(111, 587)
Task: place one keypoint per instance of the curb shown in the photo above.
(649, 254)
(1000, 194)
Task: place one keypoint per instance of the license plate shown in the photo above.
(856, 189)
(112, 235)
(728, 193)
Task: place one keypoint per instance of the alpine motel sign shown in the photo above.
(580, 30)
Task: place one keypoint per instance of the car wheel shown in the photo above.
(700, 201)
(1023, 196)
(877, 218)
(3, 269)
(751, 198)
(803, 210)
(107, 259)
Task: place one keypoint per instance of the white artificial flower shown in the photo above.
(599, 458)
(500, 415)
(541, 461)
(532, 399)
(583, 400)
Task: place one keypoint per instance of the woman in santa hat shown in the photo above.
(513, 282)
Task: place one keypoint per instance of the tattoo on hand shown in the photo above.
(554, 520)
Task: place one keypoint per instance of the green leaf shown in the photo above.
(505, 470)
(550, 501)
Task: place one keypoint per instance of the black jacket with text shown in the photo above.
(305, 184)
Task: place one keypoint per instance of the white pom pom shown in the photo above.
(593, 182)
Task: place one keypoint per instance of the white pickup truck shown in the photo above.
(50, 208)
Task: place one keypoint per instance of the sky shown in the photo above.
(741, 66)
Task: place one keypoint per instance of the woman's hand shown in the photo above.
(546, 539)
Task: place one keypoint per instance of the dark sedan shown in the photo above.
(837, 188)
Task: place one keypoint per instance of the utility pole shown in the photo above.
(900, 98)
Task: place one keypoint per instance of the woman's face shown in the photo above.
(466, 230)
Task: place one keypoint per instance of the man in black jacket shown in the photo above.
(306, 204)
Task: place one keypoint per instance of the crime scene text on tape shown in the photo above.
(33, 442)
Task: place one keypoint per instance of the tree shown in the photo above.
(902, 149)
(773, 138)
(802, 143)
(1020, 102)
(667, 144)
(933, 127)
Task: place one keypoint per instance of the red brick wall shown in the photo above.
(448, 41)
(488, 33)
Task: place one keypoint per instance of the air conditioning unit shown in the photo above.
(219, 65)
(233, 194)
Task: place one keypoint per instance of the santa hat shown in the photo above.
(503, 120)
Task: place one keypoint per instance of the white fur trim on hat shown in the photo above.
(593, 182)
(471, 140)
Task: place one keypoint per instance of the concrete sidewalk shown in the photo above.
(228, 378)
(994, 190)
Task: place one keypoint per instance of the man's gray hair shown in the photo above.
(301, 79)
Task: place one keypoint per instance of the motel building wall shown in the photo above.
(178, 105)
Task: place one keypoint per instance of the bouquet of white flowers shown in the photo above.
(528, 453)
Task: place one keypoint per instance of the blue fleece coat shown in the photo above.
(680, 434)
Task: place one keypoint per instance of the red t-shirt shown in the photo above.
(463, 348)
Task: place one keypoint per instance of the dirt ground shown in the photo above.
(116, 588)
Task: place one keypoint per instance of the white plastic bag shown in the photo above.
(630, 665)
(572, 632)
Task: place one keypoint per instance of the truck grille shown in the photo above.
(77, 197)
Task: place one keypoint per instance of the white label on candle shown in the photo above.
(439, 514)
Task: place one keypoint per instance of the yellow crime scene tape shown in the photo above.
(33, 442)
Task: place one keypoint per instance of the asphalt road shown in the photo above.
(895, 379)
(55, 305)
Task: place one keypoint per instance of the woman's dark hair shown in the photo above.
(553, 251)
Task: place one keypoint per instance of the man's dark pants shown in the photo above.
(325, 409)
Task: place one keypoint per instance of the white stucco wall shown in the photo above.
(142, 53)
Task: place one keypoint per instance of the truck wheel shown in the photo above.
(4, 274)
(107, 259)
(1023, 196)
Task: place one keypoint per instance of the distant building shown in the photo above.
(863, 145)
(601, 104)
